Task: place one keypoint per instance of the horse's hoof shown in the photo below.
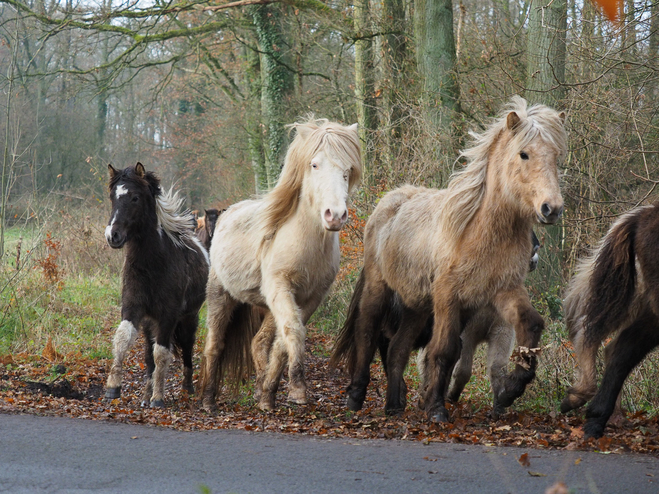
(593, 429)
(299, 397)
(145, 404)
(189, 389)
(157, 404)
(112, 393)
(267, 403)
(393, 411)
(354, 405)
(438, 416)
(571, 402)
(209, 405)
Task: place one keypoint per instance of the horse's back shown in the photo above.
(399, 240)
(235, 250)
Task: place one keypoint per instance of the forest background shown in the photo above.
(201, 93)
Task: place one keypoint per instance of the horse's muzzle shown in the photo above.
(549, 214)
(115, 239)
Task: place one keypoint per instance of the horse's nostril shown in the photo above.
(344, 217)
(545, 209)
(328, 215)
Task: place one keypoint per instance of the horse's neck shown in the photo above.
(146, 249)
(306, 221)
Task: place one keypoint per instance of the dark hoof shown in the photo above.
(439, 415)
(497, 411)
(209, 405)
(354, 405)
(157, 404)
(393, 411)
(593, 429)
(112, 393)
(453, 399)
(189, 389)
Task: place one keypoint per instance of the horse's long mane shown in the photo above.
(176, 225)
(466, 188)
(312, 135)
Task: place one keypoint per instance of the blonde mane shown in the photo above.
(466, 188)
(177, 226)
(312, 135)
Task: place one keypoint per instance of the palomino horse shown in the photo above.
(454, 251)
(164, 277)
(279, 253)
(614, 289)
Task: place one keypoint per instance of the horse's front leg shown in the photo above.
(162, 357)
(516, 309)
(150, 365)
(289, 340)
(124, 339)
(500, 342)
(442, 352)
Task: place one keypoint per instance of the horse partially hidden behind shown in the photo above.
(206, 226)
(278, 256)
(455, 251)
(163, 282)
(616, 288)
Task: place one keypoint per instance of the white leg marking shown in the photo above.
(124, 338)
(162, 357)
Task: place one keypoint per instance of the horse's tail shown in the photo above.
(235, 364)
(612, 284)
(344, 347)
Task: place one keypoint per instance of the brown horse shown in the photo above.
(614, 289)
(281, 254)
(455, 251)
(206, 226)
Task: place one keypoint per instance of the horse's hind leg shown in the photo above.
(149, 362)
(220, 308)
(631, 347)
(274, 370)
(261, 349)
(398, 355)
(471, 336)
(124, 339)
(584, 389)
(366, 335)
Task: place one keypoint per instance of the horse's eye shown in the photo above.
(135, 198)
(314, 166)
(523, 155)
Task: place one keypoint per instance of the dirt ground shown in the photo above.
(73, 386)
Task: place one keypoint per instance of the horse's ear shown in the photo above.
(139, 170)
(512, 121)
(112, 170)
(562, 116)
(354, 127)
(302, 130)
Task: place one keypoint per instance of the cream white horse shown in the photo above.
(273, 261)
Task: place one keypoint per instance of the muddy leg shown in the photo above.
(500, 343)
(515, 308)
(162, 356)
(185, 337)
(124, 339)
(220, 308)
(586, 354)
(261, 349)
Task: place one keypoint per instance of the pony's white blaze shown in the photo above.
(329, 182)
(120, 191)
(108, 229)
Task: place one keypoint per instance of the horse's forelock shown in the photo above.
(312, 136)
(150, 181)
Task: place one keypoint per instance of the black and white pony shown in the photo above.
(164, 278)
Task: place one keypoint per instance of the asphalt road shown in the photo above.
(47, 454)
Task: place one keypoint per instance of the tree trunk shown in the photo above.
(435, 50)
(364, 84)
(277, 85)
(545, 74)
